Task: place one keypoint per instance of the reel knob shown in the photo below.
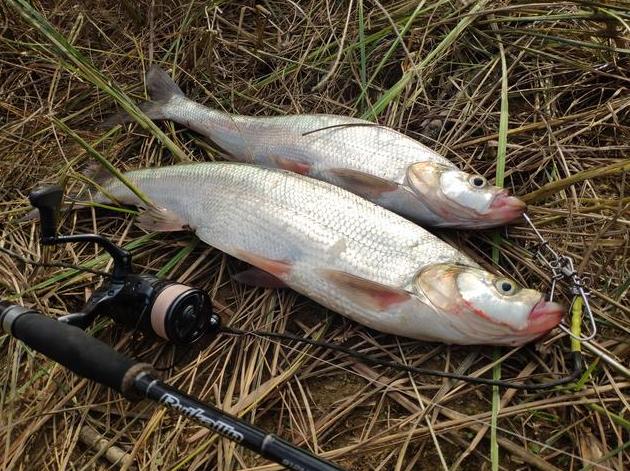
(47, 200)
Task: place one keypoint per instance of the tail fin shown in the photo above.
(162, 89)
(161, 86)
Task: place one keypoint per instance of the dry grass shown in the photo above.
(567, 110)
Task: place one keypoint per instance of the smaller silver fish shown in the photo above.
(375, 162)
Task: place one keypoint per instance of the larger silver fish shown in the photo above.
(373, 161)
(344, 252)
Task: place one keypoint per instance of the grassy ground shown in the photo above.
(534, 94)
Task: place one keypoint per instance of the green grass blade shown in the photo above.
(499, 181)
(87, 71)
(392, 48)
(103, 161)
(496, 406)
(362, 58)
(321, 55)
(550, 188)
(503, 122)
(606, 457)
(435, 54)
(623, 22)
(503, 133)
(182, 254)
(549, 38)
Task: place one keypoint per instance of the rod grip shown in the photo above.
(73, 348)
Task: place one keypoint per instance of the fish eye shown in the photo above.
(505, 287)
(478, 181)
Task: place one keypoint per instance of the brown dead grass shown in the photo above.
(569, 111)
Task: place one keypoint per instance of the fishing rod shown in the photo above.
(90, 358)
(173, 311)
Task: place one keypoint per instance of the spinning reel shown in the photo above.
(173, 311)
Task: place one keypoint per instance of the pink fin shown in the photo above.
(259, 278)
(277, 268)
(363, 184)
(161, 220)
(294, 166)
(368, 293)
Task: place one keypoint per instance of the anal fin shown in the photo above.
(367, 293)
(363, 184)
(161, 220)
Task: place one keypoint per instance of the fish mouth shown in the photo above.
(424, 179)
(505, 207)
(544, 316)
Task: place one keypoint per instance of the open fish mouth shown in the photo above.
(505, 207)
(544, 316)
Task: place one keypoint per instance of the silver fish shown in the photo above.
(341, 250)
(376, 162)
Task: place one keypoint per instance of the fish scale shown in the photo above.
(278, 215)
(368, 148)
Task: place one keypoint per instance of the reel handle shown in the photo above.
(47, 200)
(175, 312)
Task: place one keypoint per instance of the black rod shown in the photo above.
(266, 444)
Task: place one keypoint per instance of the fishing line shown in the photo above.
(344, 125)
(575, 374)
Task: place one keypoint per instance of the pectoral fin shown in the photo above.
(363, 184)
(277, 268)
(259, 278)
(367, 293)
(161, 220)
(294, 166)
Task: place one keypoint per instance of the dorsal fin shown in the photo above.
(161, 86)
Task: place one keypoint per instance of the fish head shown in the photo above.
(486, 308)
(462, 199)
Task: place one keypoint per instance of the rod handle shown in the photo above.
(72, 347)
